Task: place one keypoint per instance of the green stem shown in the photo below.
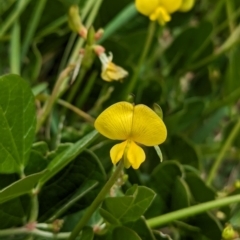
(71, 202)
(226, 46)
(229, 5)
(89, 22)
(133, 80)
(226, 146)
(75, 53)
(21, 5)
(35, 232)
(87, 89)
(13, 231)
(103, 97)
(65, 104)
(55, 94)
(67, 51)
(78, 111)
(34, 208)
(191, 211)
(50, 235)
(122, 18)
(15, 49)
(32, 26)
(97, 201)
(73, 36)
(78, 82)
(215, 31)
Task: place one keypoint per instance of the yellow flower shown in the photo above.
(161, 10)
(134, 125)
(111, 71)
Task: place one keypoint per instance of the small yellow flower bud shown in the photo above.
(237, 184)
(74, 21)
(228, 233)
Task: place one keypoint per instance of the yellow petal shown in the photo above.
(146, 7)
(162, 15)
(170, 5)
(135, 155)
(117, 152)
(112, 72)
(116, 121)
(147, 127)
(186, 5)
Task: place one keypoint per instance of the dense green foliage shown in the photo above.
(53, 163)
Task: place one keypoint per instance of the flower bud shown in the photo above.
(74, 21)
(228, 233)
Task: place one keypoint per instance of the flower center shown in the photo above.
(161, 15)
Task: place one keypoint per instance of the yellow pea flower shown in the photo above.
(161, 10)
(111, 71)
(134, 125)
(158, 9)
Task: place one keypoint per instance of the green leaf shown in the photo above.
(65, 157)
(14, 212)
(40, 147)
(20, 187)
(143, 198)
(197, 187)
(87, 233)
(120, 233)
(209, 124)
(39, 158)
(141, 228)
(38, 162)
(162, 181)
(116, 207)
(190, 113)
(58, 151)
(130, 207)
(235, 218)
(180, 195)
(17, 123)
(73, 180)
(209, 225)
(190, 41)
(190, 155)
(109, 217)
(85, 188)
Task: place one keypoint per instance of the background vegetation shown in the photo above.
(190, 67)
